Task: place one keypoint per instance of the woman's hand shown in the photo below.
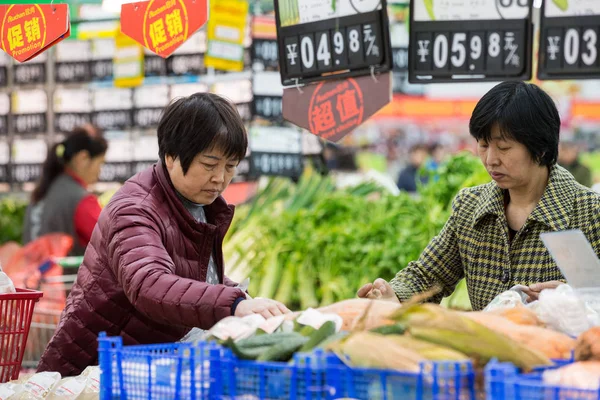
(533, 291)
(380, 290)
(265, 307)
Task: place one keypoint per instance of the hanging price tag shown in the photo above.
(30, 29)
(163, 25)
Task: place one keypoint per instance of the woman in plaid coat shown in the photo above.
(492, 237)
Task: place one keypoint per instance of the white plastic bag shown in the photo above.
(6, 284)
(39, 386)
(509, 299)
(563, 310)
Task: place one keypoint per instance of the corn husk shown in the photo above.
(428, 350)
(448, 328)
(371, 350)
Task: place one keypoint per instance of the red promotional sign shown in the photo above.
(29, 29)
(163, 25)
(334, 108)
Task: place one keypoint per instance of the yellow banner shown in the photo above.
(226, 30)
(128, 62)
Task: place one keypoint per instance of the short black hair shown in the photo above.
(523, 112)
(200, 122)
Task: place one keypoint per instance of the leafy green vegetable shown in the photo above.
(12, 215)
(311, 244)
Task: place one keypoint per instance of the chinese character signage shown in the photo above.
(226, 32)
(29, 29)
(334, 108)
(163, 25)
(318, 38)
(569, 40)
(470, 40)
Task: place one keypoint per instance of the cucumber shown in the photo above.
(283, 351)
(246, 353)
(267, 340)
(396, 329)
(318, 336)
(307, 330)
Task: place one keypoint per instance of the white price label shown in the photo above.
(29, 151)
(120, 149)
(237, 91)
(29, 101)
(73, 50)
(267, 84)
(4, 153)
(4, 104)
(187, 89)
(146, 148)
(72, 100)
(468, 10)
(151, 96)
(275, 139)
(103, 49)
(113, 99)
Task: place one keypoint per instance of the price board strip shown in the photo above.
(569, 45)
(493, 44)
(351, 45)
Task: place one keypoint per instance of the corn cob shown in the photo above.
(428, 350)
(451, 329)
(371, 350)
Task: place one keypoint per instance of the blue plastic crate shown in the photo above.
(504, 381)
(164, 371)
(303, 378)
(207, 371)
(435, 381)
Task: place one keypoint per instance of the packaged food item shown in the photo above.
(7, 390)
(68, 388)
(6, 284)
(579, 375)
(39, 386)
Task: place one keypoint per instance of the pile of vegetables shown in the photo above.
(311, 244)
(12, 215)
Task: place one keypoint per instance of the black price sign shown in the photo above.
(65, 122)
(349, 45)
(3, 173)
(28, 74)
(101, 70)
(22, 173)
(3, 125)
(265, 52)
(186, 64)
(569, 42)
(139, 166)
(147, 117)
(3, 76)
(71, 72)
(116, 171)
(473, 49)
(154, 66)
(117, 119)
(268, 107)
(276, 164)
(29, 123)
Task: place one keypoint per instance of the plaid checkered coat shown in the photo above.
(474, 242)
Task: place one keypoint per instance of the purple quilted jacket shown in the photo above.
(143, 275)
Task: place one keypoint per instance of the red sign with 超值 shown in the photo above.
(29, 29)
(332, 109)
(163, 25)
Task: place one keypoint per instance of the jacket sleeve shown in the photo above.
(439, 264)
(146, 272)
(228, 282)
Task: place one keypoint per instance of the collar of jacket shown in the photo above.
(553, 209)
(218, 214)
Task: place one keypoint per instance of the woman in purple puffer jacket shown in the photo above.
(154, 265)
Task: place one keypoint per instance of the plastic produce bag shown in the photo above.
(39, 386)
(509, 299)
(6, 284)
(563, 310)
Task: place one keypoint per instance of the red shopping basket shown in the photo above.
(16, 310)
